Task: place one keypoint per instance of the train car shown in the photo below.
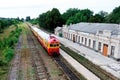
(49, 42)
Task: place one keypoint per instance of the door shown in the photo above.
(105, 49)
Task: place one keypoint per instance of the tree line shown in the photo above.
(6, 22)
(51, 19)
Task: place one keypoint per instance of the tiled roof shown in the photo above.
(93, 27)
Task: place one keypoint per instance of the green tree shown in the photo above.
(28, 18)
(69, 13)
(34, 21)
(114, 17)
(103, 13)
(81, 16)
(43, 20)
(50, 19)
(1, 29)
(55, 19)
(97, 18)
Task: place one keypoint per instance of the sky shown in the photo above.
(33, 8)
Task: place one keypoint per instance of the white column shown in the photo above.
(109, 49)
(87, 41)
(101, 47)
(91, 45)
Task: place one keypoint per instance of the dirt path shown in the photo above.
(15, 65)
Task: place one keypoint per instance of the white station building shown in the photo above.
(101, 37)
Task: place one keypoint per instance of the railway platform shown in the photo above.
(108, 64)
(81, 69)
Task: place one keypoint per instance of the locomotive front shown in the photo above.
(54, 45)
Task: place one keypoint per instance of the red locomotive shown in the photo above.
(49, 42)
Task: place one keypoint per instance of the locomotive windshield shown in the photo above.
(54, 45)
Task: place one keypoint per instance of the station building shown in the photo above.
(101, 37)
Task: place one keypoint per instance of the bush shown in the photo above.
(60, 35)
(12, 33)
(8, 45)
(8, 54)
(17, 35)
(1, 44)
(2, 63)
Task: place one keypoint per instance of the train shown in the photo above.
(48, 41)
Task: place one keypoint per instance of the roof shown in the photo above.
(58, 28)
(94, 27)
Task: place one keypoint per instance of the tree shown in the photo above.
(81, 16)
(43, 20)
(34, 21)
(22, 19)
(28, 18)
(114, 17)
(50, 19)
(97, 18)
(1, 27)
(55, 19)
(69, 13)
(103, 13)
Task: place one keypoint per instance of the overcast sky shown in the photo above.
(23, 8)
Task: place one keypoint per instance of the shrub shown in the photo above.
(8, 54)
(1, 44)
(2, 63)
(8, 44)
(60, 35)
(12, 33)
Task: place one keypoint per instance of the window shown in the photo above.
(51, 45)
(76, 38)
(82, 40)
(79, 39)
(94, 44)
(57, 44)
(99, 46)
(89, 42)
(54, 45)
(85, 41)
(112, 50)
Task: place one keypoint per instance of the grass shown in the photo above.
(7, 32)
(6, 57)
(3, 72)
(103, 75)
(4, 69)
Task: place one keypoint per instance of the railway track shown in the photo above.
(67, 71)
(28, 63)
(37, 62)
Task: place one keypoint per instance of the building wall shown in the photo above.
(57, 31)
(95, 42)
